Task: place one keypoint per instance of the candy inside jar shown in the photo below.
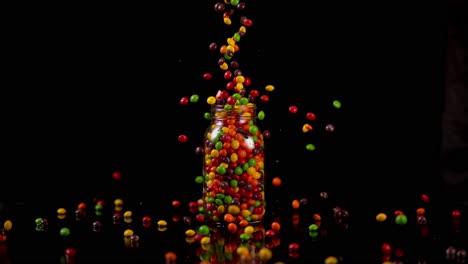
(234, 166)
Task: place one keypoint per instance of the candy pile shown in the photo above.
(234, 167)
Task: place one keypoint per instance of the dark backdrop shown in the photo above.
(88, 90)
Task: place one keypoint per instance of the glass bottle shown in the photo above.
(233, 166)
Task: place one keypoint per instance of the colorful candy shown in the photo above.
(234, 164)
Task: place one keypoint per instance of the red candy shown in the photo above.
(310, 116)
(182, 138)
(184, 100)
(293, 109)
(116, 176)
(425, 198)
(207, 76)
(265, 98)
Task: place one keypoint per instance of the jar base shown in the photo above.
(224, 225)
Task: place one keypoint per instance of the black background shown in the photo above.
(89, 90)
(93, 89)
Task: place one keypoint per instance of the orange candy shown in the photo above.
(420, 211)
(276, 181)
(229, 218)
(243, 223)
(275, 226)
(296, 204)
(317, 217)
(232, 227)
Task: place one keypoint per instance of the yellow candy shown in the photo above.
(269, 88)
(381, 217)
(8, 225)
(190, 232)
(211, 100)
(128, 233)
(242, 250)
(190, 239)
(249, 230)
(224, 66)
(162, 223)
(331, 260)
(128, 214)
(240, 79)
(233, 209)
(265, 254)
(306, 128)
(118, 202)
(205, 240)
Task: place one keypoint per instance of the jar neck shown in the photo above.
(238, 112)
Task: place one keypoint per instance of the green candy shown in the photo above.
(401, 219)
(310, 147)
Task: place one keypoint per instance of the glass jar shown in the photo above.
(233, 166)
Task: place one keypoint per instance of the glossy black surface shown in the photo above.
(346, 234)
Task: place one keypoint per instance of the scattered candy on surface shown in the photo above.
(331, 260)
(8, 225)
(170, 257)
(128, 233)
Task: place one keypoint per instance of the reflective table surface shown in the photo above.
(310, 229)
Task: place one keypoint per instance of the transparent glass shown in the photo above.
(234, 166)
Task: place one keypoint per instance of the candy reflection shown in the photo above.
(222, 245)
